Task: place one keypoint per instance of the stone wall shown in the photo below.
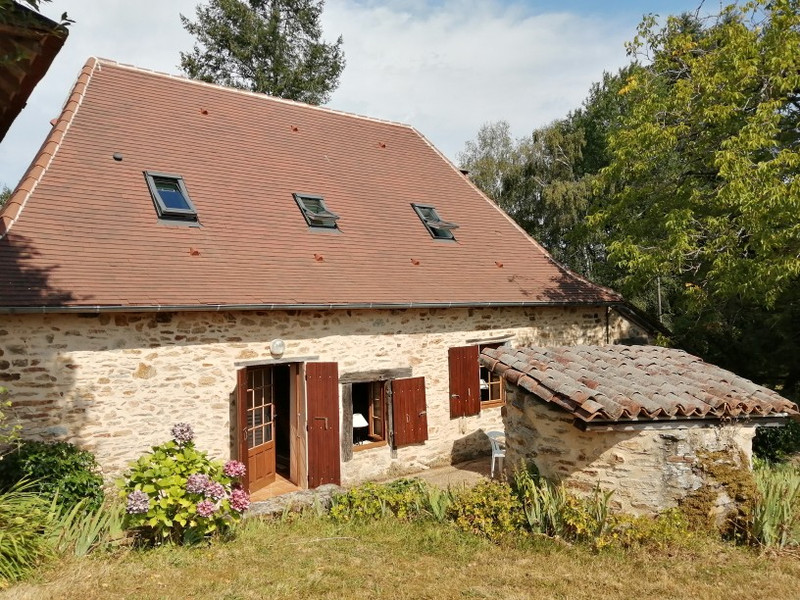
(115, 383)
(649, 470)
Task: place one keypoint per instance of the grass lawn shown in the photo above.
(311, 558)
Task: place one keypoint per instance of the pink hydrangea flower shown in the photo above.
(182, 433)
(138, 503)
(233, 468)
(197, 483)
(215, 491)
(240, 500)
(206, 508)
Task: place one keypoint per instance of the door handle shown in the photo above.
(423, 413)
(455, 396)
(322, 419)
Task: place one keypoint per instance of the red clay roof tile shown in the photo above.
(81, 230)
(634, 383)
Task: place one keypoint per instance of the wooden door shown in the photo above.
(409, 411)
(256, 425)
(322, 399)
(465, 394)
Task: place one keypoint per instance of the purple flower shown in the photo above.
(206, 508)
(240, 500)
(138, 503)
(215, 491)
(233, 468)
(182, 433)
(197, 483)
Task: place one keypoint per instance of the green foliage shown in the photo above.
(404, 499)
(489, 509)
(168, 490)
(9, 434)
(81, 529)
(24, 521)
(5, 194)
(546, 181)
(668, 530)
(702, 179)
(54, 469)
(776, 515)
(268, 46)
(549, 509)
(776, 444)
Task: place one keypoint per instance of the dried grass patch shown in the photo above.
(310, 558)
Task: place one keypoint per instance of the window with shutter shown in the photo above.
(464, 381)
(472, 386)
(409, 411)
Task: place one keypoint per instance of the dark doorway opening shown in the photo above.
(282, 388)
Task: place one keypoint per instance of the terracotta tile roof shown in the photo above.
(81, 231)
(624, 383)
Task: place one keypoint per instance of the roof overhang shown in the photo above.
(28, 44)
(672, 424)
(96, 309)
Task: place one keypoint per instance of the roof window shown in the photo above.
(170, 197)
(315, 211)
(438, 228)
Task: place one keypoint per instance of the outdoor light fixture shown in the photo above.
(277, 347)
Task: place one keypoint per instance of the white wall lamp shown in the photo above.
(277, 347)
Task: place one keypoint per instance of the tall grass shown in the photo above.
(81, 529)
(549, 509)
(24, 523)
(776, 514)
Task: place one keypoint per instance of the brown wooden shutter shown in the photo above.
(465, 393)
(409, 411)
(322, 395)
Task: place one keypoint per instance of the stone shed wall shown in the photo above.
(115, 383)
(649, 470)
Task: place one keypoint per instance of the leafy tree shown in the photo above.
(702, 183)
(268, 46)
(5, 194)
(546, 181)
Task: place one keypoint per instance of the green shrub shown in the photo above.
(404, 499)
(24, 525)
(55, 468)
(777, 444)
(489, 509)
(549, 509)
(670, 529)
(776, 514)
(175, 493)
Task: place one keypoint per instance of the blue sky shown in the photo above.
(443, 66)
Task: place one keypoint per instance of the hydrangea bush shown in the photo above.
(175, 493)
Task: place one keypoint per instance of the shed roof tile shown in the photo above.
(634, 383)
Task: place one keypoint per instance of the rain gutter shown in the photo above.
(118, 308)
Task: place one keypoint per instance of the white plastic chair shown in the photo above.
(498, 441)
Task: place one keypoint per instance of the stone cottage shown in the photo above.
(643, 421)
(309, 289)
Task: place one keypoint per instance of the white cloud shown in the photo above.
(444, 67)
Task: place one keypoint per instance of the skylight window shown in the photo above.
(438, 228)
(170, 197)
(315, 211)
